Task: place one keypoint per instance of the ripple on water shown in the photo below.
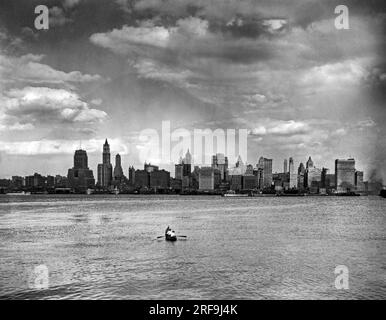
(258, 248)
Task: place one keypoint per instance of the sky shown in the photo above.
(110, 69)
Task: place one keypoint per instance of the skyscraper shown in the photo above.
(118, 171)
(131, 175)
(301, 175)
(220, 162)
(106, 153)
(265, 175)
(187, 164)
(285, 166)
(293, 177)
(237, 170)
(179, 169)
(80, 159)
(105, 169)
(310, 163)
(80, 177)
(359, 184)
(188, 158)
(313, 176)
(344, 175)
(206, 178)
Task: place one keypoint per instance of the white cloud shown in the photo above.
(290, 127)
(259, 131)
(274, 25)
(280, 128)
(29, 68)
(46, 105)
(348, 72)
(151, 69)
(124, 40)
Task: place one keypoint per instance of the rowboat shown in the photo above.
(172, 237)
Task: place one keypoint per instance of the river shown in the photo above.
(105, 247)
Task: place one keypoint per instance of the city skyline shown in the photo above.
(106, 155)
(280, 70)
(80, 163)
(218, 178)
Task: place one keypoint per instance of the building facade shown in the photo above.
(292, 175)
(206, 178)
(220, 162)
(265, 167)
(159, 179)
(345, 175)
(118, 171)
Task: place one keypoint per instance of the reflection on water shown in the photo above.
(105, 247)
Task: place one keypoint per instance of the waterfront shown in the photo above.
(238, 248)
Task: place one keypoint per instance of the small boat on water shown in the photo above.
(22, 193)
(232, 193)
(170, 235)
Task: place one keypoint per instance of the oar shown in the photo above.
(160, 237)
(183, 236)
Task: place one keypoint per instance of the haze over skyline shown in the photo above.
(109, 69)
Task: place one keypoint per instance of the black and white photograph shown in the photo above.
(192, 150)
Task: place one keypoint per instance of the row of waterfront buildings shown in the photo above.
(217, 178)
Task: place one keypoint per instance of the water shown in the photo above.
(104, 247)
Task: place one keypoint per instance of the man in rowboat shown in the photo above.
(169, 232)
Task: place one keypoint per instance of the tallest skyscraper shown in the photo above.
(106, 153)
(105, 169)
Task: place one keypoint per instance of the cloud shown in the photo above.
(275, 25)
(29, 68)
(122, 40)
(150, 69)
(60, 146)
(192, 27)
(348, 72)
(42, 105)
(257, 98)
(57, 17)
(68, 4)
(280, 128)
(290, 127)
(5, 125)
(125, 39)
